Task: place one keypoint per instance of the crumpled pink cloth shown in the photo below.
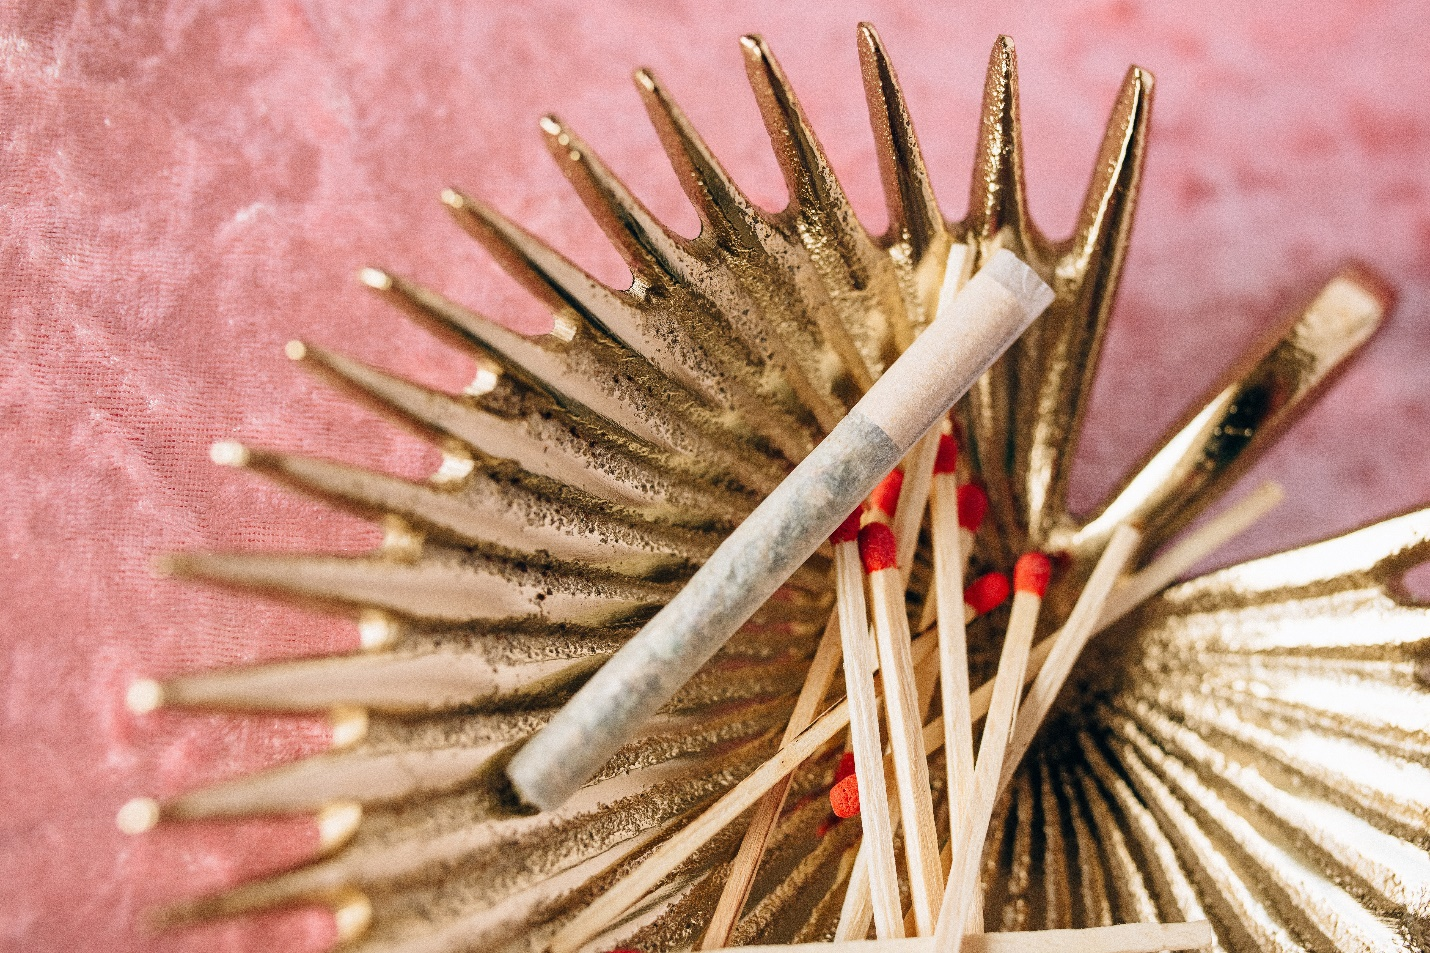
(184, 186)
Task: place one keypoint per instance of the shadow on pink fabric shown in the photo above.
(187, 185)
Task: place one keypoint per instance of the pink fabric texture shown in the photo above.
(187, 185)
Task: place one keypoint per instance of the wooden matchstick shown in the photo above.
(1121, 938)
(884, 499)
(949, 554)
(1068, 645)
(859, 665)
(909, 517)
(984, 595)
(679, 846)
(957, 521)
(1030, 581)
(782, 532)
(919, 465)
(752, 847)
(847, 626)
(879, 552)
(1150, 580)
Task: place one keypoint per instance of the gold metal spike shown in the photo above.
(872, 326)
(1242, 415)
(694, 342)
(485, 511)
(646, 403)
(1069, 339)
(769, 275)
(443, 586)
(1248, 747)
(915, 223)
(539, 443)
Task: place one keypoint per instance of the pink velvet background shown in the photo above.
(187, 185)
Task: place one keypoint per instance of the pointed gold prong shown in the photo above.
(487, 511)
(551, 277)
(602, 382)
(473, 589)
(608, 472)
(815, 192)
(913, 211)
(1070, 334)
(689, 339)
(997, 204)
(1105, 221)
(731, 223)
(423, 680)
(1242, 415)
(718, 200)
(650, 249)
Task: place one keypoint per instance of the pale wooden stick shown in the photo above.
(1121, 938)
(855, 913)
(953, 633)
(919, 465)
(952, 544)
(1068, 645)
(918, 471)
(1127, 595)
(859, 668)
(674, 851)
(1030, 580)
(879, 551)
(1190, 550)
(747, 860)
(966, 507)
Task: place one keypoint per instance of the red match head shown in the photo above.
(885, 498)
(848, 530)
(845, 767)
(1031, 574)
(947, 459)
(877, 547)
(844, 797)
(972, 505)
(987, 592)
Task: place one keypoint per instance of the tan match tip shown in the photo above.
(375, 629)
(352, 916)
(296, 350)
(453, 198)
(551, 125)
(144, 695)
(375, 278)
(138, 816)
(349, 725)
(644, 78)
(228, 453)
(337, 822)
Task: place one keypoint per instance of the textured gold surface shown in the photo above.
(1251, 746)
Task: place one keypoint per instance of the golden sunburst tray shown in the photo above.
(1249, 746)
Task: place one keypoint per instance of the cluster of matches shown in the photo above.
(884, 781)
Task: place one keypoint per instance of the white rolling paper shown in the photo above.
(965, 337)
